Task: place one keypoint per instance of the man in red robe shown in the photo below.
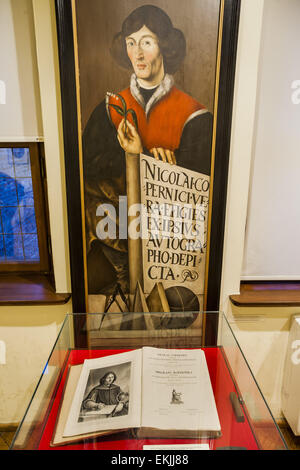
(171, 126)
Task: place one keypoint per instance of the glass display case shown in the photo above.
(245, 419)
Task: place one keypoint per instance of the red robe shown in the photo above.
(164, 125)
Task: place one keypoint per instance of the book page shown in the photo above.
(176, 391)
(108, 395)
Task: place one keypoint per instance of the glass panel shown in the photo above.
(25, 192)
(10, 220)
(31, 247)
(28, 220)
(8, 192)
(21, 158)
(2, 251)
(252, 427)
(248, 393)
(18, 230)
(26, 435)
(6, 162)
(14, 247)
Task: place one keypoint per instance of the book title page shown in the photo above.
(176, 391)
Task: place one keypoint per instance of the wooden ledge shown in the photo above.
(29, 289)
(260, 294)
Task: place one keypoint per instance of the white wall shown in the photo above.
(31, 110)
(20, 114)
(273, 222)
(49, 80)
(244, 107)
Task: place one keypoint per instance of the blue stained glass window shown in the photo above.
(8, 191)
(13, 248)
(31, 247)
(22, 163)
(2, 252)
(18, 230)
(25, 192)
(10, 220)
(6, 162)
(28, 220)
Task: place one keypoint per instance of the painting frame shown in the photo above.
(230, 12)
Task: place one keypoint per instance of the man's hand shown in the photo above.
(129, 138)
(165, 155)
(100, 406)
(119, 407)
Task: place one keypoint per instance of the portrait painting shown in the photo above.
(147, 93)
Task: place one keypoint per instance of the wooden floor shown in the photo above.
(292, 441)
(6, 438)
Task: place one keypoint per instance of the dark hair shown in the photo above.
(102, 380)
(171, 40)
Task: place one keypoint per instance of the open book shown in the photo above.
(163, 393)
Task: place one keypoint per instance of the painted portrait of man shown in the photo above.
(164, 122)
